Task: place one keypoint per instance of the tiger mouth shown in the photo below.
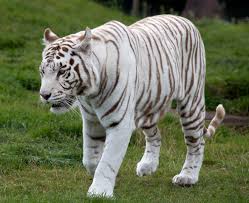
(60, 105)
(59, 108)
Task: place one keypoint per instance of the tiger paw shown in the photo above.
(184, 180)
(105, 189)
(146, 168)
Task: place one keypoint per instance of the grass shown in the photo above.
(227, 65)
(40, 153)
(46, 166)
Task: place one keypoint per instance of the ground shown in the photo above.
(40, 153)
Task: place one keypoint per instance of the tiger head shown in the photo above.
(66, 69)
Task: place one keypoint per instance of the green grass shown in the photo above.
(23, 22)
(227, 64)
(46, 165)
(40, 153)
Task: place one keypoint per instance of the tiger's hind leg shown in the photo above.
(192, 121)
(150, 160)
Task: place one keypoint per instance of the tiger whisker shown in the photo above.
(71, 108)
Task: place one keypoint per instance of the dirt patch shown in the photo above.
(231, 120)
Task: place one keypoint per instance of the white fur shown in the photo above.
(130, 76)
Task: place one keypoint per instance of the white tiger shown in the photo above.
(124, 78)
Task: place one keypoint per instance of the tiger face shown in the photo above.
(65, 70)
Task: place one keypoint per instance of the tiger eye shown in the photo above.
(61, 72)
(65, 49)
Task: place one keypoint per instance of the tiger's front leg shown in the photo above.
(93, 144)
(117, 140)
(150, 160)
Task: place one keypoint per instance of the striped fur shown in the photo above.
(124, 78)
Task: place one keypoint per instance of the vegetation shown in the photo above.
(40, 153)
(227, 79)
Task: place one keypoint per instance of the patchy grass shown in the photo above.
(46, 165)
(40, 153)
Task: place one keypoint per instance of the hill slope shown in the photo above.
(22, 24)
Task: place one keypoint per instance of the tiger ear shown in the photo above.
(83, 42)
(49, 36)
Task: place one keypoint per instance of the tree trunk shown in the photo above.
(202, 8)
(135, 7)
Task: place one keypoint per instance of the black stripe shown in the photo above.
(115, 123)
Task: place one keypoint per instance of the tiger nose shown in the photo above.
(45, 95)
